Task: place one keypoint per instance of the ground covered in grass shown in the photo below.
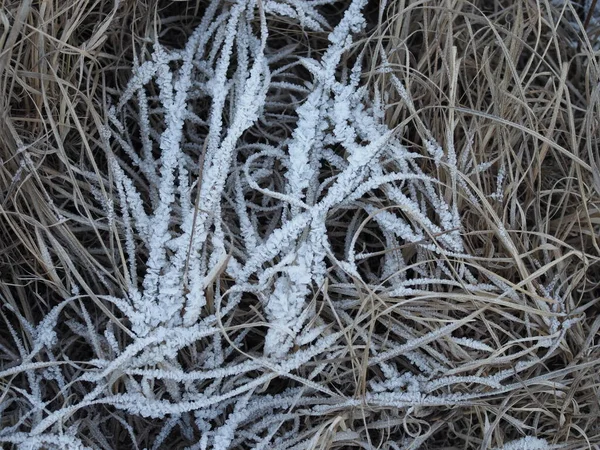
(299, 224)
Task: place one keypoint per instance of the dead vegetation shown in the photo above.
(512, 86)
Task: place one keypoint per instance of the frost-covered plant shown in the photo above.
(225, 200)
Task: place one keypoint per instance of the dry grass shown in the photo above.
(499, 81)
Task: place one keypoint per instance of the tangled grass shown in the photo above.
(299, 224)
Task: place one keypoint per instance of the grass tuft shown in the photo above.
(453, 305)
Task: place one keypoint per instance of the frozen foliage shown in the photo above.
(526, 443)
(225, 202)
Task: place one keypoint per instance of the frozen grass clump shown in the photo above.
(309, 224)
